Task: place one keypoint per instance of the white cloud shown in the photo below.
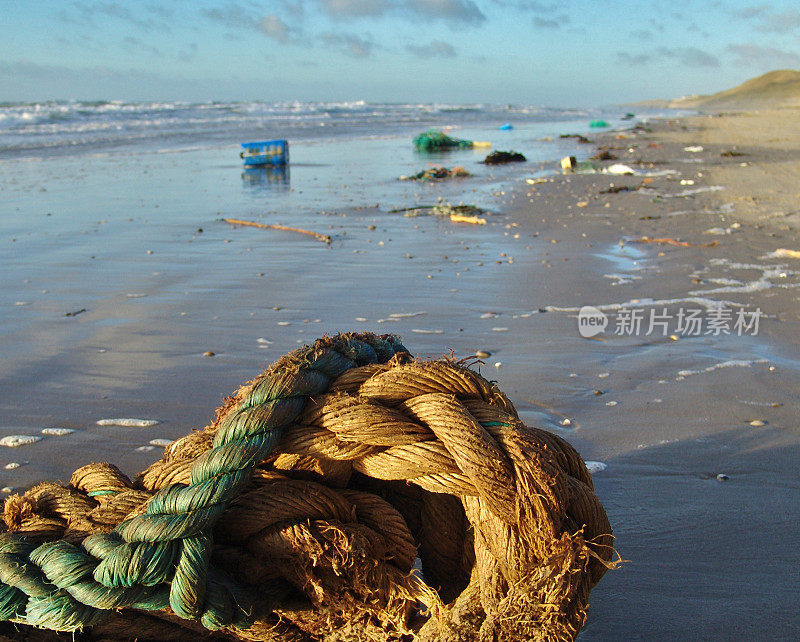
(758, 55)
(689, 56)
(453, 10)
(634, 60)
(550, 23)
(343, 9)
(273, 27)
(457, 11)
(352, 45)
(784, 22)
(436, 49)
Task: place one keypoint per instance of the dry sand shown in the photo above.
(703, 501)
(764, 183)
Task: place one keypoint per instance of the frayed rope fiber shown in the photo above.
(349, 492)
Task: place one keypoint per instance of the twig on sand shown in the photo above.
(668, 241)
(321, 237)
(411, 209)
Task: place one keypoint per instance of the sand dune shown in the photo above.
(773, 89)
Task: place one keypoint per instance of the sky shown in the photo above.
(560, 54)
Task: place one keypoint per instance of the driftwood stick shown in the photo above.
(668, 241)
(274, 226)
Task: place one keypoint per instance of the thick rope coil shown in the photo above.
(299, 514)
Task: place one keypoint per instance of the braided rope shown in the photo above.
(334, 470)
(161, 557)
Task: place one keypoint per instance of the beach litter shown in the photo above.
(569, 163)
(501, 157)
(456, 213)
(578, 138)
(434, 140)
(598, 123)
(449, 467)
(693, 149)
(320, 237)
(593, 167)
(437, 173)
(474, 220)
(618, 169)
(783, 253)
(446, 209)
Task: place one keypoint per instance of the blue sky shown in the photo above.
(564, 53)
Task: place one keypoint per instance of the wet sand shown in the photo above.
(702, 440)
(703, 501)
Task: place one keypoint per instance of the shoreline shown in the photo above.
(699, 434)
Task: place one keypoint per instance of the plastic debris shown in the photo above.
(598, 123)
(474, 220)
(436, 140)
(693, 149)
(445, 209)
(618, 169)
(569, 163)
(437, 173)
(783, 253)
(506, 127)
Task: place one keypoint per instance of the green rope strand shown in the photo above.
(162, 557)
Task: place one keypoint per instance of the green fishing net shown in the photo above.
(434, 140)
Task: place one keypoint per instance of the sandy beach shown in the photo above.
(693, 435)
(701, 440)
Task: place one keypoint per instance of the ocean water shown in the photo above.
(29, 130)
(118, 271)
(72, 157)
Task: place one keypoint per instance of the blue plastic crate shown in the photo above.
(265, 152)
